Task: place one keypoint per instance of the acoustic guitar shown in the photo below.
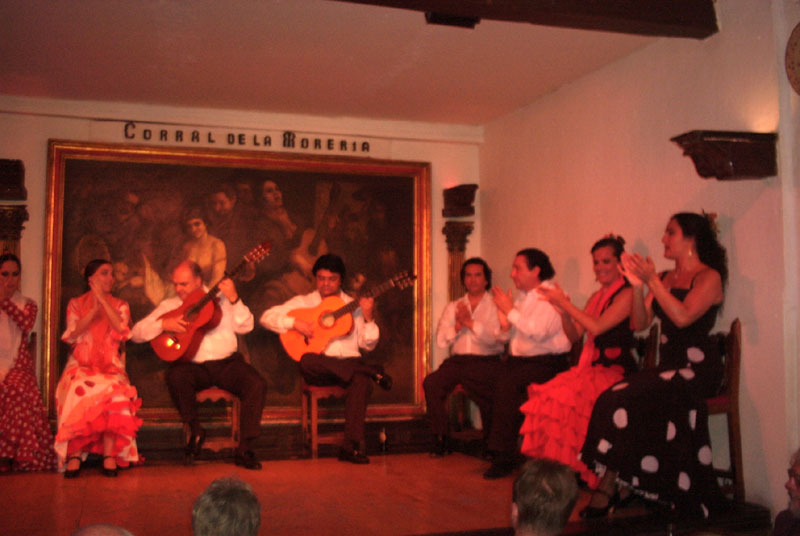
(202, 311)
(332, 318)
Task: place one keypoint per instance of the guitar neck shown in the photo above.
(212, 292)
(373, 293)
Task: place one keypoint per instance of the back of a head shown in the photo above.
(101, 529)
(228, 507)
(544, 496)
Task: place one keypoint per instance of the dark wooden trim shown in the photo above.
(667, 18)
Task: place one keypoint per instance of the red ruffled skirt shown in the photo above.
(557, 415)
(92, 404)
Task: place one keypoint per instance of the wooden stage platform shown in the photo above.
(403, 494)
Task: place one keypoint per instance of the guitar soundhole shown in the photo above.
(327, 320)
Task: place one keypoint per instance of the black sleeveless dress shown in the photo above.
(652, 427)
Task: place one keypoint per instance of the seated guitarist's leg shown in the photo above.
(184, 380)
(240, 378)
(357, 378)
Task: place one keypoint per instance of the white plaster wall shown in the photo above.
(27, 124)
(595, 157)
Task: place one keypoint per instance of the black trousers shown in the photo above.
(185, 379)
(477, 374)
(352, 373)
(511, 391)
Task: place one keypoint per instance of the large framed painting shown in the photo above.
(147, 208)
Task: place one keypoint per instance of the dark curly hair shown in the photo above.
(616, 243)
(710, 251)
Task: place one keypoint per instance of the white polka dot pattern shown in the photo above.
(670, 430)
(695, 354)
(704, 455)
(667, 375)
(621, 418)
(649, 464)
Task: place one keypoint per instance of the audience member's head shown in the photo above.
(101, 529)
(228, 507)
(544, 496)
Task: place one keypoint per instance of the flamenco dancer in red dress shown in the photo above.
(26, 443)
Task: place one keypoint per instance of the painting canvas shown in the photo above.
(145, 209)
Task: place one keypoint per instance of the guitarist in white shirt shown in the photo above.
(216, 362)
(340, 363)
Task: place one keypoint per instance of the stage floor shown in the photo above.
(403, 494)
(395, 494)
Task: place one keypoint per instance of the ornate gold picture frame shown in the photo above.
(130, 204)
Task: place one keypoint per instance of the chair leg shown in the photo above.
(735, 446)
(305, 435)
(314, 424)
(236, 411)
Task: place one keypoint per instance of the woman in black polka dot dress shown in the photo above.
(649, 432)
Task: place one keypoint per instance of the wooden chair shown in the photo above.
(233, 411)
(460, 423)
(727, 402)
(311, 395)
(647, 348)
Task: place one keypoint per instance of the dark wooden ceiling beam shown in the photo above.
(668, 18)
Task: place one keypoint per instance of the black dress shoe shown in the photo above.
(353, 455)
(383, 380)
(73, 473)
(440, 446)
(247, 459)
(194, 446)
(500, 468)
(109, 472)
(595, 512)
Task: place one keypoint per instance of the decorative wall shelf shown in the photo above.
(730, 155)
(458, 201)
(12, 180)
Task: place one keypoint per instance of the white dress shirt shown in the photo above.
(217, 343)
(536, 326)
(485, 337)
(363, 335)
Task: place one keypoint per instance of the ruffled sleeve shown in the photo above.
(73, 315)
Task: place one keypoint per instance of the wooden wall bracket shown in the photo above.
(458, 201)
(730, 155)
(12, 219)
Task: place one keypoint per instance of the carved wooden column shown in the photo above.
(458, 202)
(456, 233)
(12, 218)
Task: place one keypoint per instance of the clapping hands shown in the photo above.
(637, 269)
